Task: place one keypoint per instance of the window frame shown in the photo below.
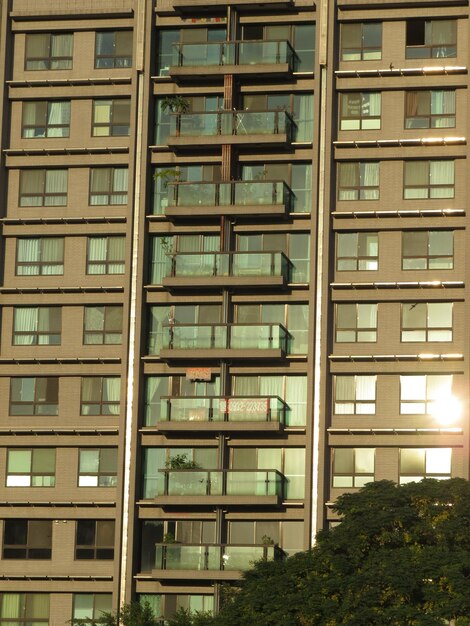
(108, 195)
(42, 194)
(104, 406)
(361, 191)
(106, 334)
(43, 386)
(362, 52)
(359, 333)
(26, 614)
(363, 121)
(95, 612)
(41, 264)
(100, 478)
(94, 550)
(115, 60)
(430, 119)
(357, 478)
(47, 127)
(112, 126)
(28, 549)
(406, 477)
(428, 259)
(108, 261)
(428, 49)
(432, 383)
(50, 59)
(31, 473)
(429, 188)
(429, 329)
(355, 402)
(46, 327)
(360, 261)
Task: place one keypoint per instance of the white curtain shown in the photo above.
(56, 184)
(97, 247)
(120, 178)
(26, 321)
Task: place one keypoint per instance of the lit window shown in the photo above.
(431, 39)
(113, 49)
(418, 394)
(430, 109)
(24, 609)
(45, 119)
(34, 396)
(27, 539)
(355, 395)
(32, 467)
(102, 325)
(358, 181)
(361, 41)
(89, 607)
(419, 463)
(94, 539)
(426, 321)
(357, 251)
(360, 111)
(108, 185)
(37, 325)
(353, 467)
(111, 118)
(105, 255)
(100, 395)
(43, 256)
(49, 51)
(428, 250)
(356, 323)
(428, 179)
(43, 187)
(97, 467)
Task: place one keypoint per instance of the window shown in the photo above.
(361, 41)
(88, 607)
(418, 393)
(431, 39)
(43, 187)
(113, 49)
(40, 257)
(428, 250)
(353, 467)
(111, 118)
(49, 51)
(100, 395)
(355, 395)
(105, 255)
(33, 467)
(102, 325)
(357, 251)
(108, 185)
(426, 321)
(430, 109)
(94, 539)
(27, 539)
(358, 181)
(419, 463)
(428, 179)
(45, 119)
(35, 326)
(18, 609)
(356, 323)
(360, 111)
(97, 467)
(34, 396)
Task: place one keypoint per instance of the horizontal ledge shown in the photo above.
(59, 360)
(58, 431)
(395, 431)
(53, 577)
(430, 284)
(401, 213)
(405, 71)
(391, 143)
(26, 290)
(17, 503)
(10, 221)
(58, 82)
(396, 357)
(71, 151)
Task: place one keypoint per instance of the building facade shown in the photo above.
(233, 240)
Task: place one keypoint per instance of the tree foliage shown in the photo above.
(132, 614)
(401, 556)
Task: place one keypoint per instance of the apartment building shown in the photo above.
(233, 241)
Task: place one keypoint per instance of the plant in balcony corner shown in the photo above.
(175, 104)
(181, 462)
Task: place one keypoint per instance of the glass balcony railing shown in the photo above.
(242, 193)
(176, 556)
(223, 409)
(233, 53)
(220, 336)
(231, 123)
(199, 482)
(206, 264)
